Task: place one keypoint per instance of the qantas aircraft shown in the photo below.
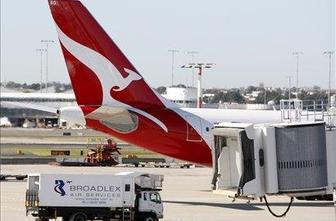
(113, 97)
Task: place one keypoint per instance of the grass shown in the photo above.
(45, 152)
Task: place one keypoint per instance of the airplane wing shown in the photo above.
(115, 114)
(31, 106)
(71, 114)
(116, 118)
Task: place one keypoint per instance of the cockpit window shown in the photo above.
(121, 125)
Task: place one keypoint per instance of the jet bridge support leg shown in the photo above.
(335, 199)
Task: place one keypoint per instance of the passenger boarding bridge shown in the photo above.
(294, 158)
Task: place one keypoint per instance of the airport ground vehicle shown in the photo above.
(12, 177)
(77, 197)
(99, 154)
(103, 155)
(154, 162)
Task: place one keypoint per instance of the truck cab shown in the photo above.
(149, 202)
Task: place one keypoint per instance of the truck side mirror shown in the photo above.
(261, 157)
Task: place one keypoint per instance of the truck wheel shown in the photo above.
(149, 218)
(41, 219)
(78, 217)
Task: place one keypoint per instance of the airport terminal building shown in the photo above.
(34, 108)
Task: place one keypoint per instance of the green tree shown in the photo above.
(232, 96)
(275, 95)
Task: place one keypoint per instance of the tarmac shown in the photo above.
(186, 195)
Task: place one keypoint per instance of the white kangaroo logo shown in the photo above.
(109, 76)
(107, 73)
(132, 76)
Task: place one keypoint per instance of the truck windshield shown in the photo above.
(158, 198)
(155, 197)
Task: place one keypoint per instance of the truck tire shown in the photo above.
(149, 217)
(78, 217)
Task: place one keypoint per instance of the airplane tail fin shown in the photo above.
(100, 73)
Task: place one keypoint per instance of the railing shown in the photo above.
(295, 110)
(32, 199)
(291, 110)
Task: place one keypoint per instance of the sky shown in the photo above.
(250, 41)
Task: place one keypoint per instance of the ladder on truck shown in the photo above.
(127, 214)
(32, 200)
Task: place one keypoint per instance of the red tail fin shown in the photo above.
(100, 73)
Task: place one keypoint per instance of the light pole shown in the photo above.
(47, 60)
(192, 53)
(329, 53)
(41, 50)
(200, 67)
(289, 86)
(297, 55)
(172, 51)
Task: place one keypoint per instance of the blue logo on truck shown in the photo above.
(59, 184)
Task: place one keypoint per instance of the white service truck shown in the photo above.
(78, 197)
